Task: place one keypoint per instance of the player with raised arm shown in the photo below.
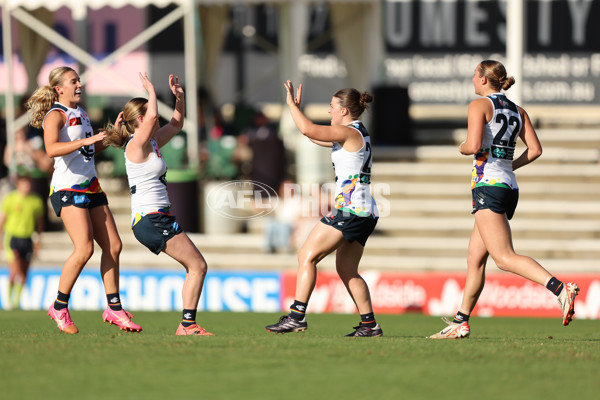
(355, 215)
(138, 132)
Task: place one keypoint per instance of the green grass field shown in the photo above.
(504, 358)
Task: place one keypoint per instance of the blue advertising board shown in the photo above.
(153, 290)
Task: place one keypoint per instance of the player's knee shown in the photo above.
(112, 247)
(198, 266)
(504, 263)
(347, 275)
(203, 267)
(308, 256)
(343, 273)
(116, 247)
(84, 252)
(302, 256)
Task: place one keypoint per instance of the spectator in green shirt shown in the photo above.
(21, 222)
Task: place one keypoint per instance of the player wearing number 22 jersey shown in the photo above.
(492, 165)
(494, 123)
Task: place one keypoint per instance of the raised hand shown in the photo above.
(146, 82)
(290, 99)
(119, 120)
(176, 87)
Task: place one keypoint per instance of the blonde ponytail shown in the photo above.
(40, 102)
(116, 136)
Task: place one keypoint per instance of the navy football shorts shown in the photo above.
(500, 200)
(154, 230)
(352, 226)
(64, 198)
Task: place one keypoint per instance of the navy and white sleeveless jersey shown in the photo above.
(75, 171)
(492, 165)
(147, 185)
(353, 177)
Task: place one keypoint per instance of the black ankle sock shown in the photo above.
(368, 320)
(62, 301)
(188, 318)
(460, 318)
(114, 301)
(298, 310)
(555, 286)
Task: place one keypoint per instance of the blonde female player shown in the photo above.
(76, 194)
(138, 131)
(494, 122)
